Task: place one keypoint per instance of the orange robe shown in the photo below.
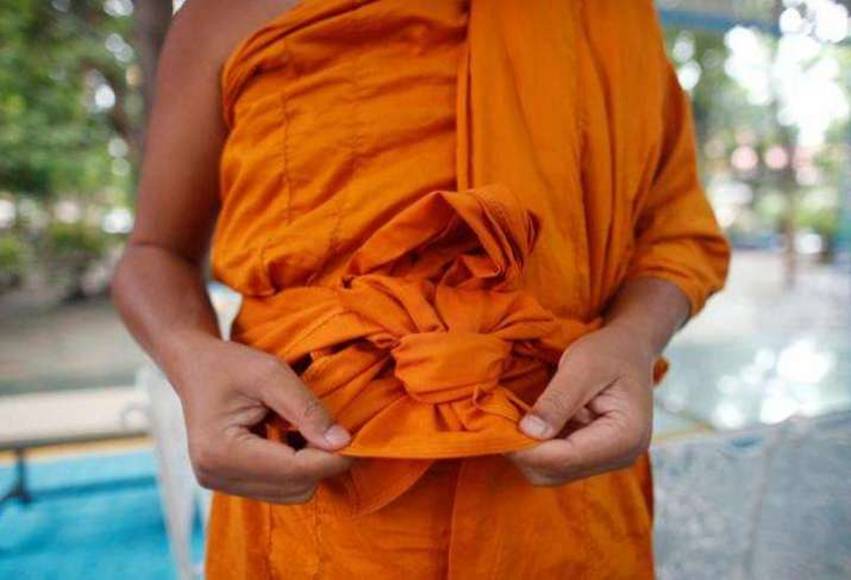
(423, 204)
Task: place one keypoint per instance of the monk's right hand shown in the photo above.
(226, 390)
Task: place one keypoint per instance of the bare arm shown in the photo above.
(651, 309)
(158, 288)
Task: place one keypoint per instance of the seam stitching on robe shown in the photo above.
(582, 123)
(583, 514)
(286, 54)
(499, 209)
(356, 142)
(617, 175)
(265, 277)
(582, 255)
(269, 570)
(462, 120)
(318, 512)
(247, 48)
(454, 516)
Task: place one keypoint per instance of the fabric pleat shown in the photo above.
(421, 241)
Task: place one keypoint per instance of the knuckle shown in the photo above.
(631, 382)
(629, 455)
(300, 495)
(643, 443)
(205, 476)
(553, 405)
(297, 481)
(566, 353)
(204, 480)
(541, 475)
(634, 433)
(268, 372)
(540, 479)
(205, 462)
(583, 360)
(639, 442)
(312, 410)
(631, 452)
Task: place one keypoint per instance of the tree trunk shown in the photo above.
(151, 21)
(788, 178)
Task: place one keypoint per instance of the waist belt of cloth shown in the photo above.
(416, 349)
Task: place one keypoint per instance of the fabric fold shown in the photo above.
(423, 203)
(424, 348)
(427, 330)
(415, 350)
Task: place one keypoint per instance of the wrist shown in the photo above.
(650, 309)
(649, 340)
(179, 353)
(633, 346)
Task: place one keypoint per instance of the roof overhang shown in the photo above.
(722, 15)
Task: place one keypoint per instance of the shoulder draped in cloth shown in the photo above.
(425, 203)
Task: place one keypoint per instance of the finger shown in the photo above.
(583, 416)
(265, 492)
(608, 443)
(256, 468)
(287, 395)
(317, 464)
(569, 390)
(254, 459)
(580, 419)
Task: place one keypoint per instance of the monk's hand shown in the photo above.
(596, 413)
(227, 390)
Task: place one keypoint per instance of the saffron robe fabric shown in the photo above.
(423, 203)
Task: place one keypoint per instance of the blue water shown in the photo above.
(93, 516)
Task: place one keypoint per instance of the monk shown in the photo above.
(464, 232)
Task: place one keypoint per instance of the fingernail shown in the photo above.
(534, 426)
(337, 436)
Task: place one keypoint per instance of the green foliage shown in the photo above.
(70, 250)
(818, 211)
(727, 119)
(13, 261)
(54, 128)
(76, 242)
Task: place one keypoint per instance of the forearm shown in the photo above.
(651, 308)
(162, 299)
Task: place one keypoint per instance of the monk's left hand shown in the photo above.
(596, 414)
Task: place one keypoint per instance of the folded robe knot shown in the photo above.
(445, 367)
(426, 343)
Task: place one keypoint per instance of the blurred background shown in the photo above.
(752, 445)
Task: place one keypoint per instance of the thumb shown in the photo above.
(567, 393)
(287, 395)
